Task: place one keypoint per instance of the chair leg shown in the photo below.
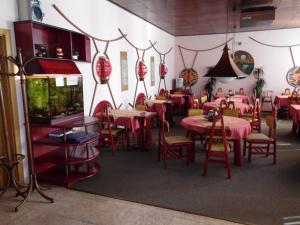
(275, 153)
(165, 156)
(268, 150)
(249, 152)
(244, 147)
(228, 167)
(205, 166)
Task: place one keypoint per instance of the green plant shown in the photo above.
(210, 86)
(260, 83)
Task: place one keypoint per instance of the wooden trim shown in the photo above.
(10, 98)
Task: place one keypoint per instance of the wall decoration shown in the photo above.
(152, 70)
(163, 70)
(293, 76)
(244, 61)
(140, 67)
(190, 77)
(101, 67)
(124, 71)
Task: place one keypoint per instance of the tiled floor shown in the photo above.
(76, 208)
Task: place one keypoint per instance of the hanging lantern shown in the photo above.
(141, 70)
(163, 70)
(103, 69)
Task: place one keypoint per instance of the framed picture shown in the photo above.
(124, 71)
(152, 70)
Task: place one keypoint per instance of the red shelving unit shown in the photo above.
(56, 160)
(29, 34)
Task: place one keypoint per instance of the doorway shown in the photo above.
(10, 110)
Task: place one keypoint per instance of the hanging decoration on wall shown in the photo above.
(293, 74)
(163, 69)
(190, 75)
(244, 61)
(140, 67)
(101, 66)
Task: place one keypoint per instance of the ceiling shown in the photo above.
(196, 17)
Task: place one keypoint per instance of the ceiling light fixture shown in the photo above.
(225, 70)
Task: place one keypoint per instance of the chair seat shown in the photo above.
(173, 140)
(114, 131)
(219, 147)
(258, 137)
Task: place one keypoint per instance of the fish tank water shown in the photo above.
(53, 97)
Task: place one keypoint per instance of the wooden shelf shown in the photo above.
(60, 162)
(29, 34)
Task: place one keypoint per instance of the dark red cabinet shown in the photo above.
(30, 34)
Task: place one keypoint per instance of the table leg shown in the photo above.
(237, 152)
(141, 131)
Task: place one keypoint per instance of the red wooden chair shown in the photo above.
(220, 93)
(194, 102)
(287, 91)
(240, 92)
(109, 133)
(254, 116)
(217, 148)
(223, 105)
(259, 144)
(140, 102)
(171, 147)
(101, 106)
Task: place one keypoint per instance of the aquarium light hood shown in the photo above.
(52, 66)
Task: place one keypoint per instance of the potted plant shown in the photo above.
(75, 54)
(210, 86)
(260, 83)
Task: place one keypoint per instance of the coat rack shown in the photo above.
(33, 183)
(162, 67)
(140, 67)
(101, 67)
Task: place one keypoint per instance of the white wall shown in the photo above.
(102, 19)
(275, 61)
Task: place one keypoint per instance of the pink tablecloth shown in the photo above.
(235, 98)
(238, 105)
(281, 100)
(295, 113)
(239, 128)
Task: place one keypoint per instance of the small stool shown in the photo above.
(8, 165)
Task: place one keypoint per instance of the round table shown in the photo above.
(239, 129)
(235, 99)
(216, 104)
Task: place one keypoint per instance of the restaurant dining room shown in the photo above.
(154, 112)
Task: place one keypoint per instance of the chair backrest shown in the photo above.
(216, 131)
(230, 105)
(140, 99)
(287, 91)
(223, 105)
(220, 92)
(194, 102)
(241, 92)
(203, 98)
(101, 106)
(267, 95)
(293, 99)
(195, 112)
(271, 123)
(105, 120)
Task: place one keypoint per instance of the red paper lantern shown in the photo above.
(103, 69)
(141, 70)
(163, 70)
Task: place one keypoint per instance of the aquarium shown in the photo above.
(53, 97)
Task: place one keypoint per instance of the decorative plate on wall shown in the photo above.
(190, 77)
(293, 76)
(244, 61)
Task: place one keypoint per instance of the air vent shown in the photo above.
(258, 16)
